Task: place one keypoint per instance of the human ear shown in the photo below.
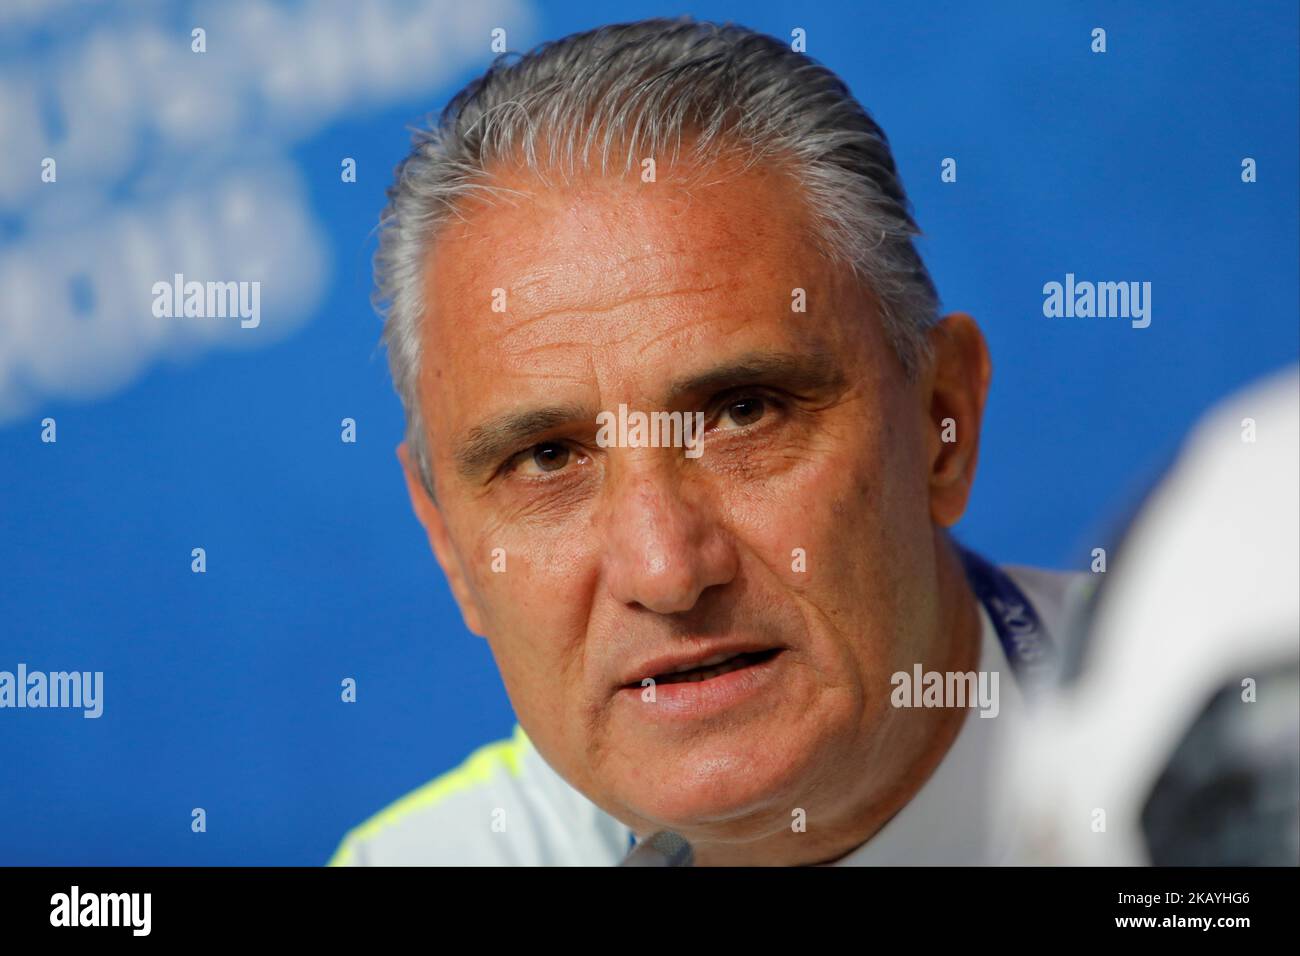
(957, 383)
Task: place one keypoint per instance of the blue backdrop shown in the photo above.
(222, 689)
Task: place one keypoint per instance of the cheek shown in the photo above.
(839, 504)
(533, 592)
(537, 616)
(517, 573)
(846, 534)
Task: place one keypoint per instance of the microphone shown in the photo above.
(664, 848)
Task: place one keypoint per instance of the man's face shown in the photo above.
(802, 535)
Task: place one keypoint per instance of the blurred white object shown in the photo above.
(1150, 750)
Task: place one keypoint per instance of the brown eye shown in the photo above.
(746, 411)
(550, 457)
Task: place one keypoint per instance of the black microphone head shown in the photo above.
(664, 848)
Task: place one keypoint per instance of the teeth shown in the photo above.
(707, 662)
(729, 664)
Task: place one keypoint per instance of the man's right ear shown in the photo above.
(436, 528)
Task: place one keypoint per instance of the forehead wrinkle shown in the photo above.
(554, 376)
(679, 328)
(563, 288)
(633, 324)
(579, 311)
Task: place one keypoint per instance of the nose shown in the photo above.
(663, 548)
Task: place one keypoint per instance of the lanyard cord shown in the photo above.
(1019, 628)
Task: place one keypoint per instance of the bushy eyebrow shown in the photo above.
(813, 371)
(486, 444)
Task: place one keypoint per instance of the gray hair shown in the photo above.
(639, 89)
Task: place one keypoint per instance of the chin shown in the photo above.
(712, 786)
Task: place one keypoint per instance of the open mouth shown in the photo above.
(715, 668)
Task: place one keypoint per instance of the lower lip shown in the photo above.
(692, 700)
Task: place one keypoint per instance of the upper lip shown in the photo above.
(685, 659)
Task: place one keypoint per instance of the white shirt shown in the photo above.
(505, 806)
